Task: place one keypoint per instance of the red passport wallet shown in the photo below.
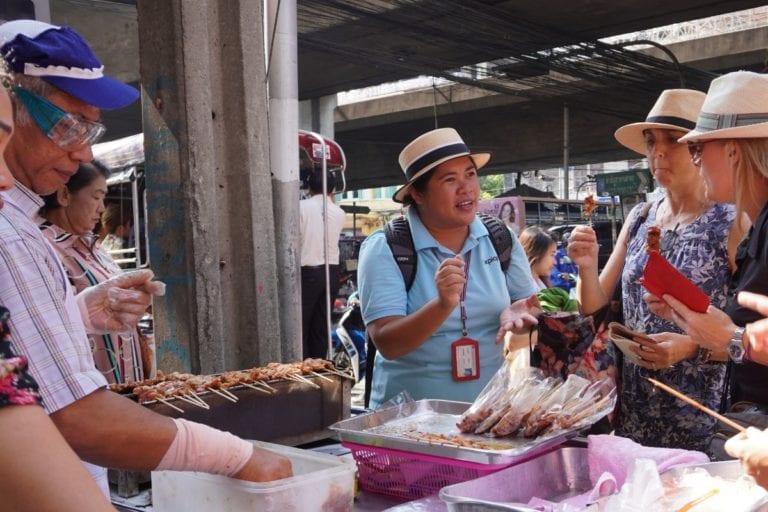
(660, 278)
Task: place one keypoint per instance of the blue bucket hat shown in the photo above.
(61, 57)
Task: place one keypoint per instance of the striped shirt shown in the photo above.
(117, 355)
(45, 318)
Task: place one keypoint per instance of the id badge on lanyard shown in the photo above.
(465, 352)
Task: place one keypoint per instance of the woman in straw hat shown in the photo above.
(694, 239)
(419, 332)
(730, 147)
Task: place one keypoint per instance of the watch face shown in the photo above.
(736, 349)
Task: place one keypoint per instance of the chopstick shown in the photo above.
(696, 404)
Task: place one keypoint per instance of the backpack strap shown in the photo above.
(640, 219)
(501, 238)
(398, 234)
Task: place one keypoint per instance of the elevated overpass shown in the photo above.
(347, 44)
(523, 134)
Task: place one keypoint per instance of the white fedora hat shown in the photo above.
(676, 109)
(429, 150)
(736, 108)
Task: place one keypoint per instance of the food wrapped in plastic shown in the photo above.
(547, 410)
(522, 404)
(495, 394)
(529, 402)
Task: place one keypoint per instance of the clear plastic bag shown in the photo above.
(492, 398)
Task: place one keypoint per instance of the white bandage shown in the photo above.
(198, 447)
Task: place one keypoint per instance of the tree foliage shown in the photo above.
(491, 186)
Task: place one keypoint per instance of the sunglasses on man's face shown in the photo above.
(68, 131)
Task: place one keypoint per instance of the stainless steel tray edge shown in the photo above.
(353, 430)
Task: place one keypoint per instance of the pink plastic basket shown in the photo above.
(411, 475)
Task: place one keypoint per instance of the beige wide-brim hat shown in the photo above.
(676, 109)
(736, 108)
(429, 150)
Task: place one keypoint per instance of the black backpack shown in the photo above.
(400, 241)
(398, 234)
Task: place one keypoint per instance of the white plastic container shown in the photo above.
(321, 482)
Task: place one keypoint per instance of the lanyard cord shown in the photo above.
(464, 331)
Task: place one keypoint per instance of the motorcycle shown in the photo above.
(348, 339)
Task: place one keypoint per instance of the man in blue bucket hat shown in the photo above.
(58, 88)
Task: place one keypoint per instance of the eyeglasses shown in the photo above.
(68, 131)
(695, 149)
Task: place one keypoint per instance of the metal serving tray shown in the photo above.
(394, 428)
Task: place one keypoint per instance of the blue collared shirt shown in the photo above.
(426, 371)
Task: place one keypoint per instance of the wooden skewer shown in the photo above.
(270, 388)
(696, 404)
(194, 395)
(299, 378)
(228, 393)
(218, 392)
(257, 388)
(169, 404)
(321, 376)
(688, 506)
(342, 374)
(192, 401)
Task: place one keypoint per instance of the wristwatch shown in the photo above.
(736, 345)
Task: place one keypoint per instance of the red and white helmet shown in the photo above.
(311, 156)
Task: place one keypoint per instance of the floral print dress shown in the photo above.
(648, 415)
(17, 387)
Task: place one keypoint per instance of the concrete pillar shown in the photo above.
(209, 196)
(316, 115)
(284, 127)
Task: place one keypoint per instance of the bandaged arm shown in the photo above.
(198, 447)
(142, 438)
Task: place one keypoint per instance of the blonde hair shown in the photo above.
(751, 169)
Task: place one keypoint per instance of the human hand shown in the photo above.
(265, 466)
(658, 307)
(583, 247)
(756, 332)
(519, 315)
(712, 330)
(751, 447)
(669, 348)
(450, 280)
(117, 304)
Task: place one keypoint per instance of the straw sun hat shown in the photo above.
(736, 108)
(676, 109)
(429, 150)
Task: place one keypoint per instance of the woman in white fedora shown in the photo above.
(420, 332)
(730, 146)
(695, 235)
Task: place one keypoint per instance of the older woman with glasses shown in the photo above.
(694, 234)
(730, 147)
